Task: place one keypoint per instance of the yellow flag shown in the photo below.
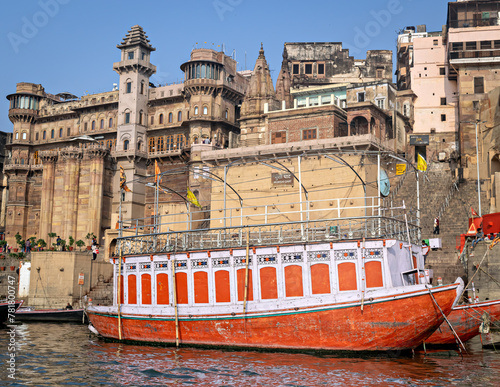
(192, 198)
(421, 163)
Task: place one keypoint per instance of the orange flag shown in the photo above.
(157, 172)
(123, 180)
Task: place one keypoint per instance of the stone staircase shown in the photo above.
(440, 197)
(102, 293)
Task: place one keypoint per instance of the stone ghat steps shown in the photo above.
(454, 220)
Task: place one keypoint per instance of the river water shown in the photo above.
(67, 355)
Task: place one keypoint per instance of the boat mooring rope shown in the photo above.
(447, 321)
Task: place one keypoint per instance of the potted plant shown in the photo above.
(20, 242)
(51, 235)
(71, 243)
(63, 244)
(2, 244)
(41, 244)
(80, 244)
(33, 242)
(13, 255)
(89, 237)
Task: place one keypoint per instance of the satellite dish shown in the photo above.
(385, 184)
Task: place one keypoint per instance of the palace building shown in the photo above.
(65, 152)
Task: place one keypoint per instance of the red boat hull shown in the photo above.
(465, 320)
(386, 323)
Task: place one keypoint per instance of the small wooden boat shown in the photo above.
(50, 315)
(466, 320)
(4, 309)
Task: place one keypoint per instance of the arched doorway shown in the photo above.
(359, 125)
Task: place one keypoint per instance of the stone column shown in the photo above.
(96, 156)
(71, 158)
(49, 159)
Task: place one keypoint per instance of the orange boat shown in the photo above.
(308, 285)
(466, 320)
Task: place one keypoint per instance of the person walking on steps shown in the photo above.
(436, 226)
(95, 250)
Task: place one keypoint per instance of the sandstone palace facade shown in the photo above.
(65, 152)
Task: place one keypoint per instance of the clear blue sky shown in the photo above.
(70, 45)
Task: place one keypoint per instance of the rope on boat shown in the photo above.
(489, 275)
(477, 269)
(175, 303)
(246, 276)
(119, 294)
(363, 275)
(447, 321)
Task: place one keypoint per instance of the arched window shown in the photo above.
(161, 119)
(179, 116)
(101, 126)
(68, 132)
(44, 134)
(205, 110)
(93, 125)
(140, 117)
(180, 141)
(226, 114)
(127, 117)
(169, 143)
(36, 136)
(196, 110)
(170, 117)
(52, 133)
(139, 145)
(84, 126)
(17, 135)
(125, 145)
(110, 123)
(22, 161)
(60, 132)
(142, 87)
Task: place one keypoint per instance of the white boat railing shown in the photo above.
(325, 220)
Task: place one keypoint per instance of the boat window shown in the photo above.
(320, 278)
(268, 283)
(347, 276)
(182, 288)
(146, 289)
(222, 286)
(240, 276)
(200, 279)
(132, 289)
(373, 270)
(293, 281)
(162, 289)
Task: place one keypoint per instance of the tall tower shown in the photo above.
(134, 70)
(259, 100)
(23, 170)
(284, 83)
